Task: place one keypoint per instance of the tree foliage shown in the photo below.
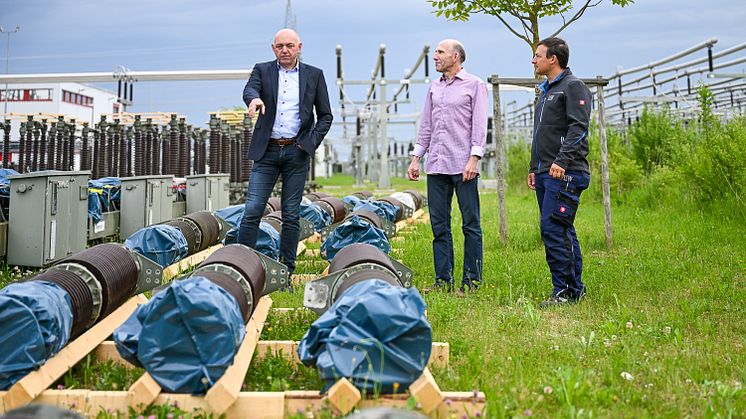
(521, 17)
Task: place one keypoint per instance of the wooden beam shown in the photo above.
(33, 384)
(226, 390)
(343, 396)
(427, 392)
(173, 270)
(143, 392)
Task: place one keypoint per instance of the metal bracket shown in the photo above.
(306, 228)
(149, 273)
(405, 275)
(276, 274)
(388, 227)
(408, 212)
(225, 227)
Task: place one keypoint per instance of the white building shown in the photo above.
(47, 100)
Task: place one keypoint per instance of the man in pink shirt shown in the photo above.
(453, 131)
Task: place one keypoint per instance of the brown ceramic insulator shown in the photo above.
(80, 296)
(225, 151)
(147, 151)
(189, 234)
(156, 168)
(173, 156)
(232, 287)
(59, 146)
(43, 147)
(95, 154)
(245, 261)
(103, 151)
(418, 198)
(183, 152)
(358, 253)
(124, 154)
(274, 219)
(29, 143)
(399, 206)
(51, 143)
(208, 224)
(114, 268)
(369, 216)
(274, 203)
(366, 275)
(339, 211)
(363, 194)
(246, 164)
(70, 162)
(65, 152)
(214, 148)
(6, 145)
(139, 153)
(116, 140)
(84, 163)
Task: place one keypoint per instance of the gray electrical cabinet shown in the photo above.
(144, 201)
(48, 216)
(207, 192)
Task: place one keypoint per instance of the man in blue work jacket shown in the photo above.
(559, 167)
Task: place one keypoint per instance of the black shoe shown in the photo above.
(556, 301)
(467, 289)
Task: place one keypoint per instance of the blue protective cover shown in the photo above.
(163, 244)
(186, 336)
(268, 241)
(383, 209)
(352, 199)
(5, 182)
(354, 230)
(375, 335)
(103, 196)
(35, 323)
(231, 215)
(316, 215)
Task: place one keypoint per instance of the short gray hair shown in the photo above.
(459, 47)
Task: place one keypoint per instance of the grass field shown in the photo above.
(661, 333)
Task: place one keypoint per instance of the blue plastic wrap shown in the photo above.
(35, 323)
(163, 244)
(376, 335)
(354, 230)
(94, 206)
(5, 183)
(316, 215)
(109, 190)
(383, 209)
(268, 241)
(231, 215)
(352, 199)
(186, 336)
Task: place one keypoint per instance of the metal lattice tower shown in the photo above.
(290, 21)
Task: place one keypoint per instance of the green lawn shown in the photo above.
(661, 333)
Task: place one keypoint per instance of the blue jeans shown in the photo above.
(291, 162)
(440, 190)
(558, 203)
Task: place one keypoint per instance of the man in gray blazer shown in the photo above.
(285, 92)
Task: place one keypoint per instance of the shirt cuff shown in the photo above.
(418, 151)
(476, 151)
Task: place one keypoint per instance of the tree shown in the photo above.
(526, 12)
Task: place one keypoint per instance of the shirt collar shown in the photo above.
(293, 70)
(460, 75)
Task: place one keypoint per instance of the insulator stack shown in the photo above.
(84, 162)
(165, 145)
(108, 162)
(214, 144)
(225, 158)
(203, 152)
(115, 269)
(21, 146)
(195, 134)
(102, 145)
(183, 149)
(234, 154)
(147, 144)
(246, 262)
(43, 145)
(139, 148)
(190, 231)
(29, 144)
(51, 142)
(116, 150)
(35, 147)
(94, 156)
(248, 132)
(6, 144)
(59, 144)
(65, 150)
(173, 150)
(129, 150)
(80, 296)
(70, 161)
(208, 225)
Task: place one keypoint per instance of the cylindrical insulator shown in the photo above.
(365, 275)
(203, 153)
(248, 132)
(173, 149)
(156, 168)
(214, 144)
(399, 206)
(139, 149)
(124, 152)
(208, 225)
(102, 148)
(80, 296)
(315, 196)
(70, 162)
(189, 233)
(369, 216)
(225, 159)
(114, 268)
(95, 155)
(84, 163)
(165, 146)
(232, 287)
(183, 149)
(6, 144)
(243, 260)
(363, 194)
(358, 253)
(188, 152)
(235, 154)
(336, 205)
(147, 150)
(21, 146)
(60, 144)
(35, 147)
(418, 198)
(29, 143)
(274, 204)
(51, 145)
(65, 150)
(43, 146)
(197, 150)
(111, 146)
(274, 219)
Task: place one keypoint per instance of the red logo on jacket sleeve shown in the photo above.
(582, 102)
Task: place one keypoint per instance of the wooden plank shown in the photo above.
(288, 349)
(314, 238)
(303, 278)
(439, 355)
(343, 396)
(427, 392)
(33, 384)
(186, 263)
(143, 392)
(226, 390)
(250, 404)
(301, 249)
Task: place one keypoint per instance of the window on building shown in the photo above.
(77, 99)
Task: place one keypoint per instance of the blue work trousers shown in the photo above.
(440, 190)
(558, 204)
(290, 162)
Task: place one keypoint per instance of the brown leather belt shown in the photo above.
(281, 141)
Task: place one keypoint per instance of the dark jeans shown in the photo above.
(440, 190)
(558, 203)
(292, 164)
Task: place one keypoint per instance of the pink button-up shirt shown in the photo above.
(453, 124)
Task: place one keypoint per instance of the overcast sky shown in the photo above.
(87, 35)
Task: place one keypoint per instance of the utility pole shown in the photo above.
(7, 62)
